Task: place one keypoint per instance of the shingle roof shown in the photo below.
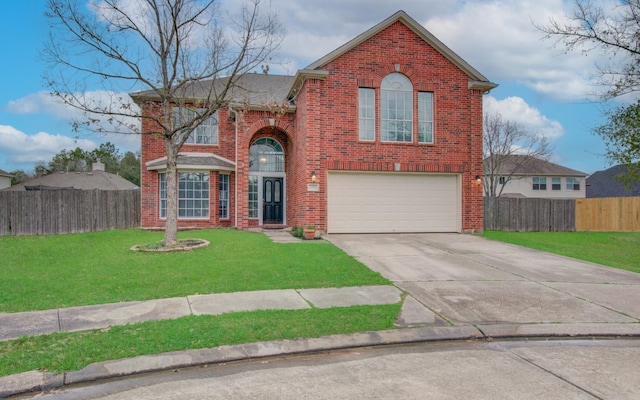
(253, 89)
(530, 166)
(605, 184)
(200, 161)
(96, 180)
(5, 173)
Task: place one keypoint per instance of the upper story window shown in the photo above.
(396, 109)
(556, 184)
(425, 117)
(266, 155)
(367, 114)
(539, 183)
(205, 133)
(573, 184)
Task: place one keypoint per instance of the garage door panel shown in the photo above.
(393, 202)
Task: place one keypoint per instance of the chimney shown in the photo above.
(97, 166)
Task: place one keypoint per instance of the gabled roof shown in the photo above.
(606, 184)
(476, 79)
(5, 174)
(96, 180)
(530, 166)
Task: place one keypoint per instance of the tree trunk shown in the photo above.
(171, 227)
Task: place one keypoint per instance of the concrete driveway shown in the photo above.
(502, 289)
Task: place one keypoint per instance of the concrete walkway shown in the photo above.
(455, 287)
(74, 319)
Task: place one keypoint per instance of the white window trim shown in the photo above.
(385, 91)
(259, 176)
(574, 181)
(160, 198)
(210, 123)
(371, 97)
(541, 180)
(227, 199)
(429, 119)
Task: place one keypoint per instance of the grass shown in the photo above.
(62, 352)
(45, 272)
(615, 249)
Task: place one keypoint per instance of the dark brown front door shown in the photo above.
(272, 191)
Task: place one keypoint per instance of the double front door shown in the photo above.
(272, 200)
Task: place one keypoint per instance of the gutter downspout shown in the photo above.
(236, 172)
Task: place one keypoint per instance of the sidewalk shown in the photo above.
(74, 319)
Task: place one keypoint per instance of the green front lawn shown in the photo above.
(45, 272)
(615, 249)
(60, 352)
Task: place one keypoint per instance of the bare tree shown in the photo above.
(615, 32)
(169, 49)
(508, 148)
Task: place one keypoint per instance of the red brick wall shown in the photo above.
(331, 130)
(153, 148)
(323, 134)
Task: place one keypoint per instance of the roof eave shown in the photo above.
(484, 86)
(301, 76)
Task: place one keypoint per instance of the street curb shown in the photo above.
(35, 380)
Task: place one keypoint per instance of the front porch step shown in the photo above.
(275, 227)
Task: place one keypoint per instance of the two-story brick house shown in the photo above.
(384, 134)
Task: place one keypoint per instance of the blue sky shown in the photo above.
(541, 88)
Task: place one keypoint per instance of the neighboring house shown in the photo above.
(5, 179)
(384, 134)
(525, 176)
(607, 184)
(97, 179)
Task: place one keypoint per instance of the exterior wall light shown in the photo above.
(478, 180)
(313, 177)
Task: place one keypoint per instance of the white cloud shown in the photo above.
(40, 103)
(45, 103)
(500, 39)
(497, 37)
(517, 110)
(21, 148)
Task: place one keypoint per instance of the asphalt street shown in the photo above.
(569, 369)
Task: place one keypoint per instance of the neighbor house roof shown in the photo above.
(531, 166)
(96, 180)
(195, 161)
(606, 184)
(5, 174)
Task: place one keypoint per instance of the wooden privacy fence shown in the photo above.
(528, 214)
(617, 214)
(43, 212)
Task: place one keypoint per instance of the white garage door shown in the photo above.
(393, 202)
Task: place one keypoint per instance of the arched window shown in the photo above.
(266, 155)
(396, 108)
